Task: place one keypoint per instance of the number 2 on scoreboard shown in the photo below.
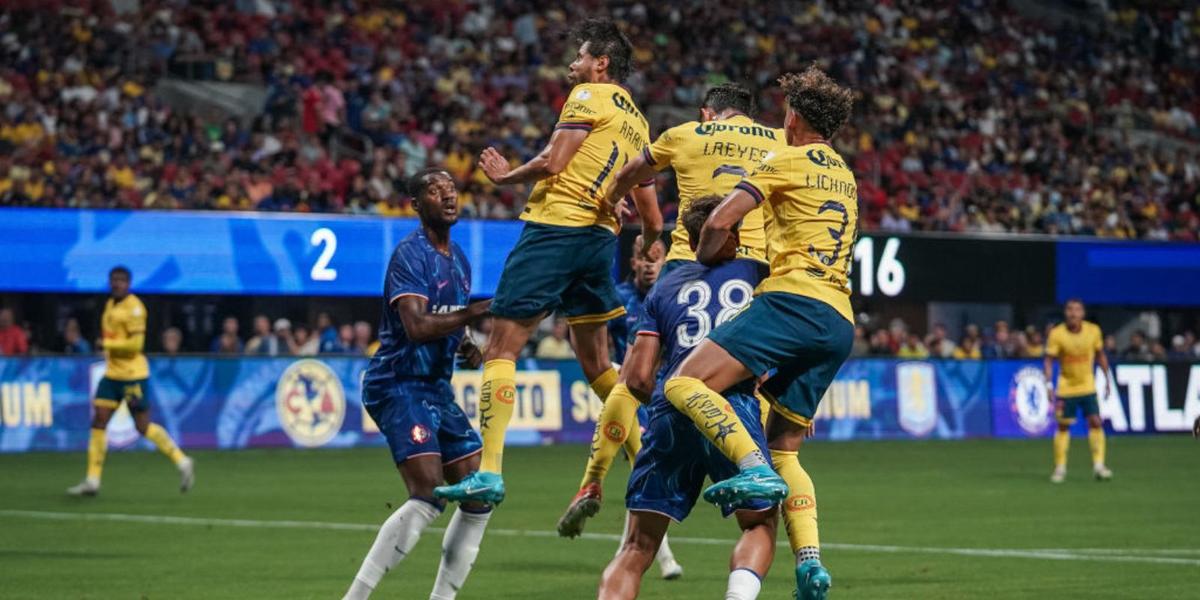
(325, 238)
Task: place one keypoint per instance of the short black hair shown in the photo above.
(697, 213)
(120, 269)
(817, 98)
(421, 180)
(604, 38)
(1071, 301)
(731, 95)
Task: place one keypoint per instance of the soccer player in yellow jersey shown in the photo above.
(1077, 345)
(123, 332)
(563, 259)
(709, 156)
(800, 323)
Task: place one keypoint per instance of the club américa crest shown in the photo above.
(310, 402)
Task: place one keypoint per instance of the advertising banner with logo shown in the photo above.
(896, 399)
(262, 402)
(1144, 398)
(209, 402)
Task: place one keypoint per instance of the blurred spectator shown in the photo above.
(556, 345)
(228, 338)
(861, 346)
(969, 347)
(363, 336)
(73, 342)
(938, 344)
(303, 342)
(264, 341)
(1001, 344)
(1179, 348)
(912, 347)
(13, 339)
(881, 343)
(327, 333)
(172, 341)
(1110, 345)
(1138, 348)
(1035, 346)
(1157, 351)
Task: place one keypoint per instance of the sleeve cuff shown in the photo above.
(649, 157)
(749, 188)
(574, 126)
(403, 294)
(648, 332)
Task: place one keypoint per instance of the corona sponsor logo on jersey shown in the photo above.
(310, 402)
(916, 397)
(1031, 400)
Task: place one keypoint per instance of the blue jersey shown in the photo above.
(419, 269)
(621, 327)
(691, 301)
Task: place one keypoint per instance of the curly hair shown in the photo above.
(604, 38)
(697, 213)
(823, 103)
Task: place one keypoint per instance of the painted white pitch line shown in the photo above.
(1084, 554)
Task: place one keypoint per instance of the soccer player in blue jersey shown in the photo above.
(406, 390)
(675, 458)
(644, 271)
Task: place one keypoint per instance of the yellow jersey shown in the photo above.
(122, 321)
(616, 131)
(1076, 354)
(710, 158)
(810, 199)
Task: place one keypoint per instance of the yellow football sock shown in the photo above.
(613, 429)
(716, 419)
(1096, 443)
(1062, 441)
(162, 440)
(604, 384)
(97, 447)
(497, 395)
(800, 508)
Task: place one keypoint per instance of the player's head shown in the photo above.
(118, 281)
(695, 216)
(645, 272)
(434, 197)
(1074, 311)
(725, 97)
(816, 104)
(604, 53)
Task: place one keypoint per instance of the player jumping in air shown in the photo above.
(669, 472)
(800, 323)
(709, 156)
(1078, 345)
(407, 391)
(563, 259)
(126, 374)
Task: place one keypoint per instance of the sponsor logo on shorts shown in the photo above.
(1030, 400)
(614, 431)
(420, 434)
(800, 502)
(310, 402)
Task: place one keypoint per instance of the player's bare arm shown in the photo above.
(720, 225)
(633, 173)
(549, 162)
(646, 202)
(638, 368)
(1048, 372)
(1102, 360)
(422, 326)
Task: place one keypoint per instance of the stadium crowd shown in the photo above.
(972, 117)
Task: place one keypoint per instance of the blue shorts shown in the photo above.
(110, 393)
(668, 474)
(803, 339)
(419, 417)
(566, 269)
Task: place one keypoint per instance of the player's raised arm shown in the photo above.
(551, 161)
(721, 223)
(422, 326)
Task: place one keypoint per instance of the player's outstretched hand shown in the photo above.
(622, 210)
(471, 355)
(494, 165)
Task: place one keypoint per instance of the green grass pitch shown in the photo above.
(972, 519)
